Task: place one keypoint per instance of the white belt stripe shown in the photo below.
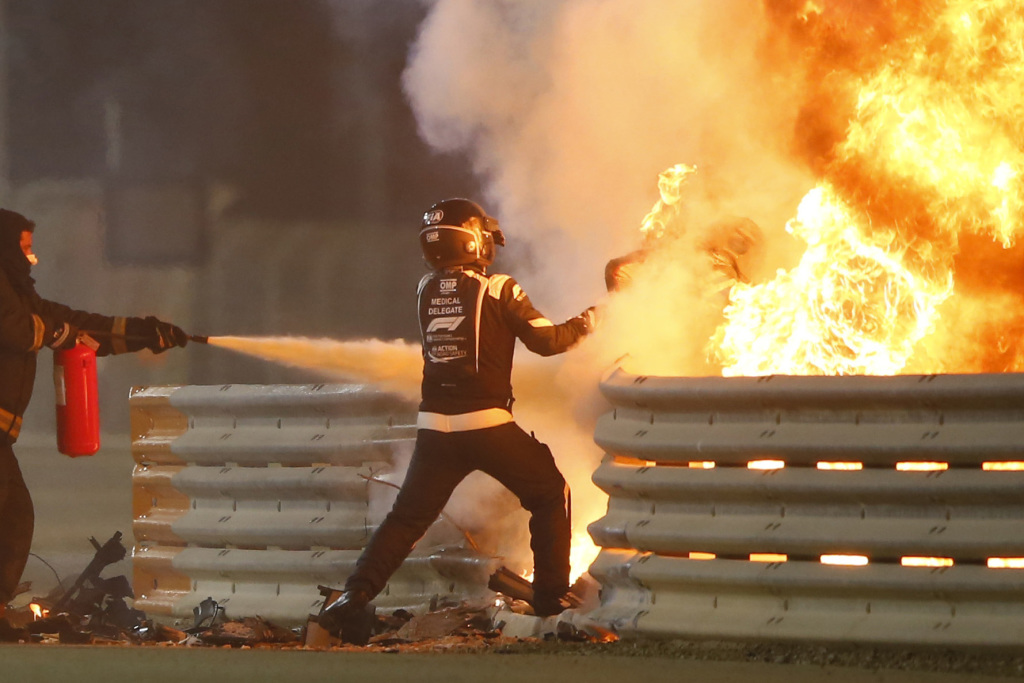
(463, 422)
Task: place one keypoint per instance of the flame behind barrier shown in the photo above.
(932, 153)
(927, 163)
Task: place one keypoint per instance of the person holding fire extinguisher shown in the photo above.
(27, 324)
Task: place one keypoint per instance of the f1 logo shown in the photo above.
(449, 323)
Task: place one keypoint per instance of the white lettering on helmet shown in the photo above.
(433, 217)
(448, 323)
(433, 236)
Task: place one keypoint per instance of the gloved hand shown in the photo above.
(64, 337)
(160, 336)
(591, 318)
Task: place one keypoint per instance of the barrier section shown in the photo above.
(255, 495)
(873, 509)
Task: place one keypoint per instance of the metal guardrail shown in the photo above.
(707, 534)
(254, 495)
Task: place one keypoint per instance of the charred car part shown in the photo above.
(110, 552)
(93, 607)
(205, 615)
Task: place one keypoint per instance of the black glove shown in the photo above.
(591, 318)
(64, 336)
(160, 336)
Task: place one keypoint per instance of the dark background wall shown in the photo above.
(245, 167)
(294, 103)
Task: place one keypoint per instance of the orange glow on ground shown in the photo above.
(851, 466)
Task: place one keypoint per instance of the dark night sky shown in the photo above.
(295, 103)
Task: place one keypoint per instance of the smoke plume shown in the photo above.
(570, 109)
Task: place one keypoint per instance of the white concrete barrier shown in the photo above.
(254, 495)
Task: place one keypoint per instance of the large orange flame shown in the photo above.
(931, 153)
(852, 306)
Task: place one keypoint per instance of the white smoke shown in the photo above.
(569, 109)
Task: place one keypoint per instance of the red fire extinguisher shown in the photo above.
(78, 413)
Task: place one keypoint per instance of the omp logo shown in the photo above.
(449, 323)
(433, 236)
(449, 285)
(433, 217)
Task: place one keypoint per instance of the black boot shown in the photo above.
(349, 617)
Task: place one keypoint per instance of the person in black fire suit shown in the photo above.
(27, 324)
(469, 323)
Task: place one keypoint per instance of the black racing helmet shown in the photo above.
(458, 232)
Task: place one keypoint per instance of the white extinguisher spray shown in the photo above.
(78, 412)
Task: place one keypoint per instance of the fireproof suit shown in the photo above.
(469, 323)
(27, 323)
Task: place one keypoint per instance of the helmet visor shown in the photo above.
(447, 245)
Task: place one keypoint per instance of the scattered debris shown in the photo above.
(94, 610)
(507, 582)
(510, 584)
(248, 631)
(207, 611)
(89, 580)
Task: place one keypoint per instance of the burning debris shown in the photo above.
(93, 608)
(507, 615)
